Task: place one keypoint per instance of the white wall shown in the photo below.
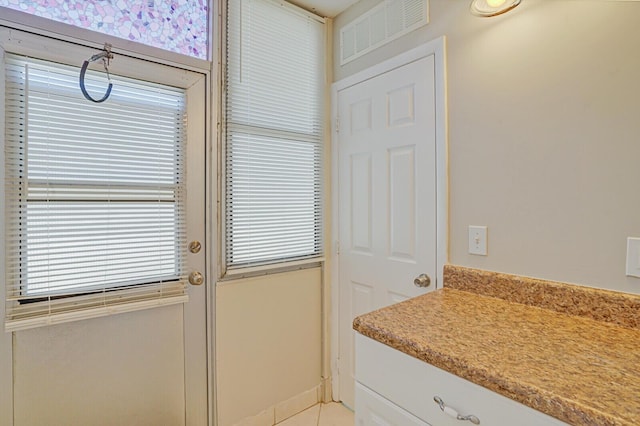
(544, 133)
(268, 342)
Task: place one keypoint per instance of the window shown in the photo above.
(178, 25)
(95, 194)
(273, 134)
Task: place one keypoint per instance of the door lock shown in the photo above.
(422, 280)
(195, 246)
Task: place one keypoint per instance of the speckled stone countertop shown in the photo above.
(568, 351)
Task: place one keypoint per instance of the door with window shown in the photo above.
(104, 222)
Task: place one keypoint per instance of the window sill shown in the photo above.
(254, 271)
(101, 311)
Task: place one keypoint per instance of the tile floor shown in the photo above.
(332, 414)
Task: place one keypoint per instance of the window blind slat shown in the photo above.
(95, 195)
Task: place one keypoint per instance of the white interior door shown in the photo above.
(388, 196)
(147, 367)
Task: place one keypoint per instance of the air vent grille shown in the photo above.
(380, 25)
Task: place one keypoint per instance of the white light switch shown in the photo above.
(633, 257)
(478, 240)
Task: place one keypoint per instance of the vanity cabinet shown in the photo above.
(393, 388)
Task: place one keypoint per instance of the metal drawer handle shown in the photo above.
(453, 413)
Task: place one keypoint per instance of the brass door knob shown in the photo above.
(196, 278)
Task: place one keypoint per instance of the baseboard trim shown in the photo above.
(298, 403)
(285, 409)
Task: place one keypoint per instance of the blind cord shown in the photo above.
(106, 56)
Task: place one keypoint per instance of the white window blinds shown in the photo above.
(94, 193)
(274, 120)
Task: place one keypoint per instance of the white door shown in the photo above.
(147, 367)
(387, 196)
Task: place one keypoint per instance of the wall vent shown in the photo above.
(385, 22)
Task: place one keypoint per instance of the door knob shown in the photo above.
(422, 280)
(196, 278)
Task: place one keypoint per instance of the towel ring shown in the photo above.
(105, 55)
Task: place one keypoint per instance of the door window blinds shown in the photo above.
(273, 134)
(95, 195)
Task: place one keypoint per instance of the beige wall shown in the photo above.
(119, 370)
(268, 341)
(544, 133)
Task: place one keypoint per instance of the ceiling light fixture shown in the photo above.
(487, 8)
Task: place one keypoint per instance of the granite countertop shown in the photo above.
(568, 351)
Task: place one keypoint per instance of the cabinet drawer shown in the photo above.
(374, 410)
(412, 384)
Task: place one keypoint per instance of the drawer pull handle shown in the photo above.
(453, 413)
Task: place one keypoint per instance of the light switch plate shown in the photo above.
(478, 240)
(633, 257)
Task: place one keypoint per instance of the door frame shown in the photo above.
(437, 49)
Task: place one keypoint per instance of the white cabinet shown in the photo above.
(391, 381)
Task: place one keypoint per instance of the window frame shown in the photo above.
(49, 28)
(227, 272)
